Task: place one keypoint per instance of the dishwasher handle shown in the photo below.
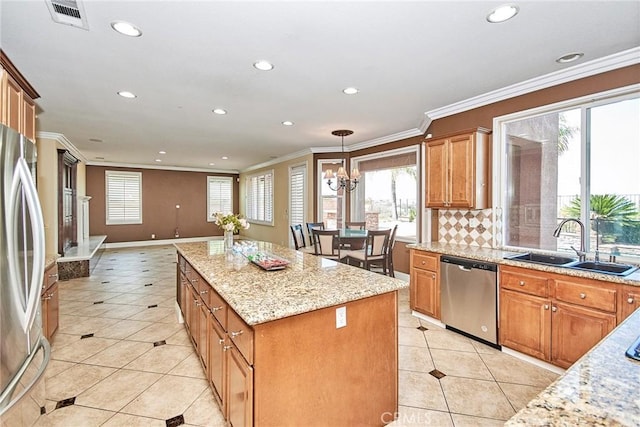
(468, 264)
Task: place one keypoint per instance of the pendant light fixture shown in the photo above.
(343, 180)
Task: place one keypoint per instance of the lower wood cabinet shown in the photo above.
(240, 388)
(425, 283)
(629, 301)
(50, 302)
(554, 317)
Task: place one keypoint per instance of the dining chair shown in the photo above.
(298, 239)
(389, 258)
(311, 226)
(327, 243)
(355, 225)
(375, 251)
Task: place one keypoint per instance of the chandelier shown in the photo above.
(343, 180)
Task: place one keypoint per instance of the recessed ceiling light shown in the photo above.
(350, 90)
(127, 94)
(95, 140)
(569, 57)
(225, 158)
(212, 164)
(99, 158)
(158, 160)
(219, 111)
(502, 13)
(162, 152)
(126, 28)
(287, 123)
(263, 65)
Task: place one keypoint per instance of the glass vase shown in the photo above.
(228, 240)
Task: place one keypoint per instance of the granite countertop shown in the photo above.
(497, 256)
(308, 283)
(599, 389)
(49, 260)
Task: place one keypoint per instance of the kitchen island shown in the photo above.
(600, 389)
(315, 343)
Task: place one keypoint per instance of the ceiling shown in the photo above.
(406, 58)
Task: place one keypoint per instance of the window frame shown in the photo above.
(108, 201)
(357, 195)
(339, 194)
(265, 202)
(499, 159)
(294, 170)
(226, 179)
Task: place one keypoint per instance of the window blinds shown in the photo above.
(219, 195)
(296, 194)
(260, 197)
(123, 197)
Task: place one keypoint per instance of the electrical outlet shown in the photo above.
(153, 236)
(341, 317)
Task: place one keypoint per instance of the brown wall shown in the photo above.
(483, 116)
(162, 190)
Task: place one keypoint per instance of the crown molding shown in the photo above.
(371, 142)
(597, 66)
(168, 168)
(277, 160)
(62, 140)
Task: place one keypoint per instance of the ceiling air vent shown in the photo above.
(68, 12)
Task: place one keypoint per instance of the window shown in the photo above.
(554, 160)
(297, 185)
(123, 197)
(260, 198)
(388, 192)
(331, 203)
(219, 195)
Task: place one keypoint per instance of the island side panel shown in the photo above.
(308, 372)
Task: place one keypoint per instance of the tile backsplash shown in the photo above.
(471, 227)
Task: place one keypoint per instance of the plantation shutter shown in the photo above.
(260, 197)
(296, 194)
(123, 197)
(219, 195)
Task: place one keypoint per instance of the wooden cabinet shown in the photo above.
(554, 317)
(425, 283)
(50, 302)
(458, 170)
(17, 108)
(240, 397)
(629, 301)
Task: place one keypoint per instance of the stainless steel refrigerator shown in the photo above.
(24, 351)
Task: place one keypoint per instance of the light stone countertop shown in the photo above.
(49, 260)
(308, 283)
(599, 389)
(497, 256)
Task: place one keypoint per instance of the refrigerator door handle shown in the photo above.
(22, 177)
(8, 391)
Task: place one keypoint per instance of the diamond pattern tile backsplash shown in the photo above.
(471, 227)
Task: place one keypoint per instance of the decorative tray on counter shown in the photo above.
(268, 261)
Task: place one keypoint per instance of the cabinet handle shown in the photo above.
(630, 300)
(221, 341)
(235, 334)
(216, 309)
(583, 295)
(546, 306)
(198, 303)
(522, 283)
(195, 279)
(423, 262)
(53, 276)
(203, 292)
(554, 309)
(226, 347)
(48, 297)
(433, 276)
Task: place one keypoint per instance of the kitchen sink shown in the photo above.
(604, 267)
(558, 261)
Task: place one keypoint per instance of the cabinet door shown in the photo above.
(13, 104)
(461, 171)
(575, 330)
(436, 162)
(217, 361)
(425, 295)
(629, 302)
(203, 335)
(240, 386)
(28, 117)
(192, 315)
(525, 323)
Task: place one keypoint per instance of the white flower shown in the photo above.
(230, 227)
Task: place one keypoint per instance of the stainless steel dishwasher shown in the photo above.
(469, 297)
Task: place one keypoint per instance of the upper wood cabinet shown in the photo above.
(457, 170)
(17, 108)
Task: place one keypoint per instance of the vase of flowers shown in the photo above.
(230, 223)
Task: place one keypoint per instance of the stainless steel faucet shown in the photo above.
(582, 255)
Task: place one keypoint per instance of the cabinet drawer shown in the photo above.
(50, 276)
(219, 308)
(241, 335)
(599, 297)
(426, 261)
(523, 281)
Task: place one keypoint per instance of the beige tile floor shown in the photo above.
(120, 358)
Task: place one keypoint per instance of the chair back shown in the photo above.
(311, 226)
(392, 239)
(355, 225)
(378, 242)
(298, 236)
(325, 242)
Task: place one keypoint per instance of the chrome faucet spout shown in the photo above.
(556, 233)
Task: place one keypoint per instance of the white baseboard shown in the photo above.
(428, 319)
(533, 360)
(159, 242)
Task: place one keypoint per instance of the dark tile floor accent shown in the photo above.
(437, 374)
(159, 343)
(86, 336)
(422, 328)
(98, 302)
(152, 306)
(66, 402)
(175, 421)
